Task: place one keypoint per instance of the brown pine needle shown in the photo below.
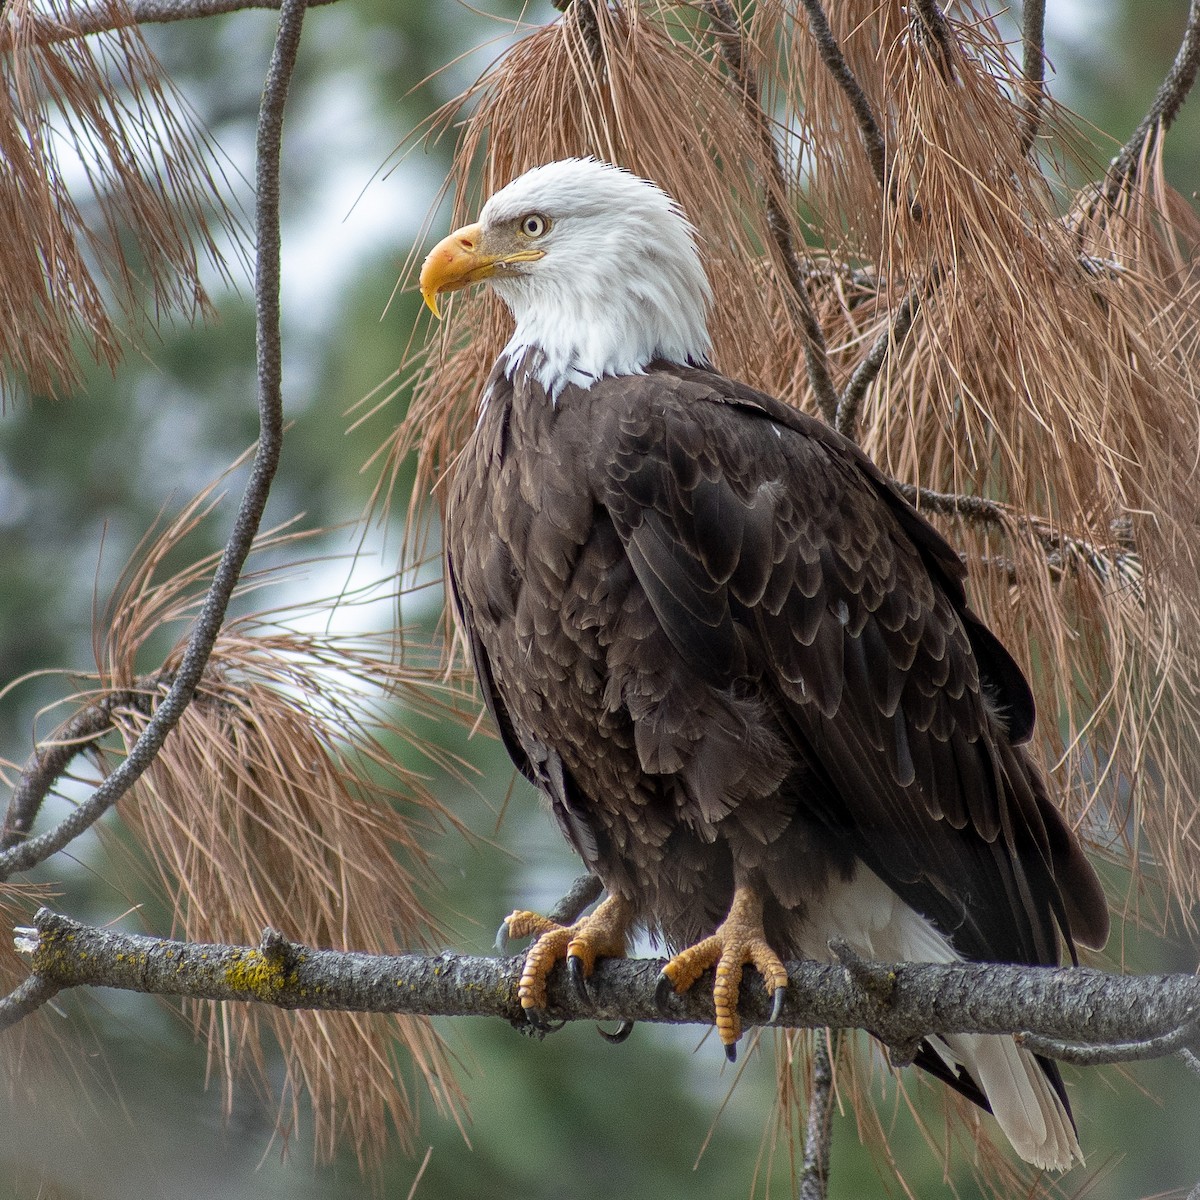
(282, 800)
(98, 107)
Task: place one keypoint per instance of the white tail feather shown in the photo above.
(1025, 1105)
(879, 925)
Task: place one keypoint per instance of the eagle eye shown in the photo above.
(534, 225)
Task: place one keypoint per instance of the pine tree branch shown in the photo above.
(727, 32)
(818, 1125)
(1033, 69)
(836, 65)
(932, 24)
(86, 21)
(254, 499)
(47, 764)
(586, 890)
(1167, 102)
(867, 371)
(1116, 562)
(1078, 1005)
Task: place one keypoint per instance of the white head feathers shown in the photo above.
(620, 282)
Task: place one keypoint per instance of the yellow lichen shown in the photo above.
(259, 975)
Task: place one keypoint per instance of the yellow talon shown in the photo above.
(602, 934)
(739, 939)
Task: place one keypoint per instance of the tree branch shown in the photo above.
(584, 891)
(931, 22)
(818, 1126)
(867, 371)
(1165, 108)
(728, 34)
(1077, 1004)
(27, 998)
(86, 21)
(45, 766)
(1033, 69)
(836, 65)
(254, 499)
(1118, 561)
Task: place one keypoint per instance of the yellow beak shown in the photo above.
(460, 259)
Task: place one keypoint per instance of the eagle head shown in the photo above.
(599, 269)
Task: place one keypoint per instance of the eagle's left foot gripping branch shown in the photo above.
(603, 933)
(739, 940)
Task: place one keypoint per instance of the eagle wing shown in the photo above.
(775, 555)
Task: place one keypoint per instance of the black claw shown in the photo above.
(578, 979)
(777, 1004)
(731, 1052)
(618, 1035)
(664, 991)
(541, 1022)
(503, 941)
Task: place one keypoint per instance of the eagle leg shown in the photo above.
(603, 933)
(739, 940)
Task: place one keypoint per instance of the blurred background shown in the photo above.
(83, 477)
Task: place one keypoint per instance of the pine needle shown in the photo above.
(282, 800)
(107, 195)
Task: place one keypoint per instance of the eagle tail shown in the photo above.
(1022, 1098)
(1017, 1088)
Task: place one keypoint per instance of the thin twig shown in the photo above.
(1033, 70)
(867, 371)
(818, 1126)
(83, 21)
(46, 765)
(26, 998)
(1165, 108)
(836, 65)
(727, 31)
(1096, 1056)
(1117, 561)
(212, 614)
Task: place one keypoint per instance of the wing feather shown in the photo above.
(775, 555)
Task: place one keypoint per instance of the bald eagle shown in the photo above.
(738, 665)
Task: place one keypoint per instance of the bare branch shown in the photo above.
(1118, 561)
(46, 765)
(254, 498)
(584, 891)
(835, 63)
(818, 1127)
(1033, 69)
(86, 22)
(867, 371)
(1165, 108)
(1175, 1041)
(27, 998)
(1076, 1004)
(727, 32)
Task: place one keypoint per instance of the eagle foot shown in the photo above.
(739, 940)
(601, 934)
